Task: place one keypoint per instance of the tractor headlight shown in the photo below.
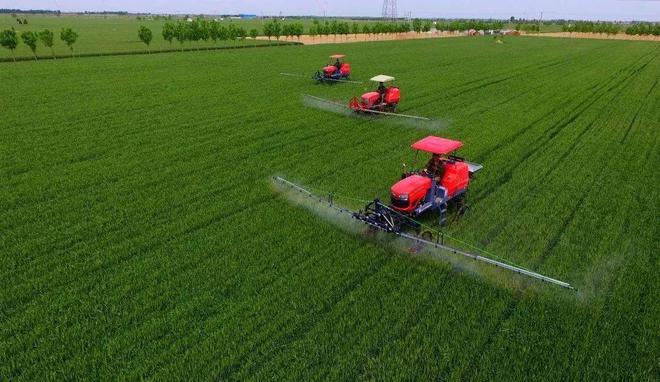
(403, 197)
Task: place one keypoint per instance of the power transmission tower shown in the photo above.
(389, 10)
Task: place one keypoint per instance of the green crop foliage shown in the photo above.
(141, 238)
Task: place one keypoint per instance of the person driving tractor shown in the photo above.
(381, 90)
(435, 167)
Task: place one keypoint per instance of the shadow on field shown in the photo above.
(337, 107)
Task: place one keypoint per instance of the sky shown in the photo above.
(623, 10)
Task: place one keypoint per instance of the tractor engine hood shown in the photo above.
(414, 187)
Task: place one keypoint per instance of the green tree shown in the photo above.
(355, 28)
(47, 38)
(277, 29)
(253, 35)
(169, 31)
(299, 30)
(427, 26)
(417, 25)
(9, 40)
(145, 36)
(286, 30)
(69, 37)
(313, 30)
(30, 39)
(180, 33)
(268, 30)
(334, 28)
(241, 33)
(366, 30)
(232, 32)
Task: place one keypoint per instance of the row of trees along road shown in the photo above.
(644, 29)
(276, 29)
(201, 30)
(9, 39)
(591, 27)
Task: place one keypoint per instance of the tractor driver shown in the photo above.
(381, 90)
(435, 167)
(338, 64)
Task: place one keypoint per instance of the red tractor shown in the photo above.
(384, 99)
(336, 71)
(444, 180)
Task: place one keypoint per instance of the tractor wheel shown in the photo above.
(418, 246)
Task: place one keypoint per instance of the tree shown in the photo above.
(241, 33)
(286, 30)
(30, 39)
(355, 28)
(334, 28)
(47, 37)
(277, 29)
(366, 30)
(299, 30)
(180, 33)
(145, 36)
(69, 37)
(169, 31)
(232, 32)
(268, 30)
(9, 40)
(313, 30)
(253, 35)
(204, 30)
(427, 26)
(417, 25)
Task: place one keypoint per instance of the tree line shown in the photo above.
(9, 39)
(644, 29)
(641, 29)
(465, 25)
(591, 27)
(202, 30)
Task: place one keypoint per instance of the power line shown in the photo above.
(390, 10)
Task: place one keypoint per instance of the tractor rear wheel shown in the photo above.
(418, 246)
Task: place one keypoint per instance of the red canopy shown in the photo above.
(437, 145)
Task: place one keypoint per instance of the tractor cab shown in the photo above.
(384, 99)
(336, 70)
(445, 178)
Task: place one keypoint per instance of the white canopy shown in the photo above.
(382, 78)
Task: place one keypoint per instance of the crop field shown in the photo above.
(109, 34)
(141, 236)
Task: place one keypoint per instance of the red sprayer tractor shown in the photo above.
(336, 71)
(383, 99)
(443, 181)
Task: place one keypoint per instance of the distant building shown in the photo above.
(247, 16)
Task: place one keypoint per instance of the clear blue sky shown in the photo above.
(576, 9)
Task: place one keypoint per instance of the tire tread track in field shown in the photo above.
(595, 89)
(542, 140)
(510, 309)
(521, 203)
(646, 98)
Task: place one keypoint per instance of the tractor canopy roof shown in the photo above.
(382, 78)
(338, 56)
(437, 145)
